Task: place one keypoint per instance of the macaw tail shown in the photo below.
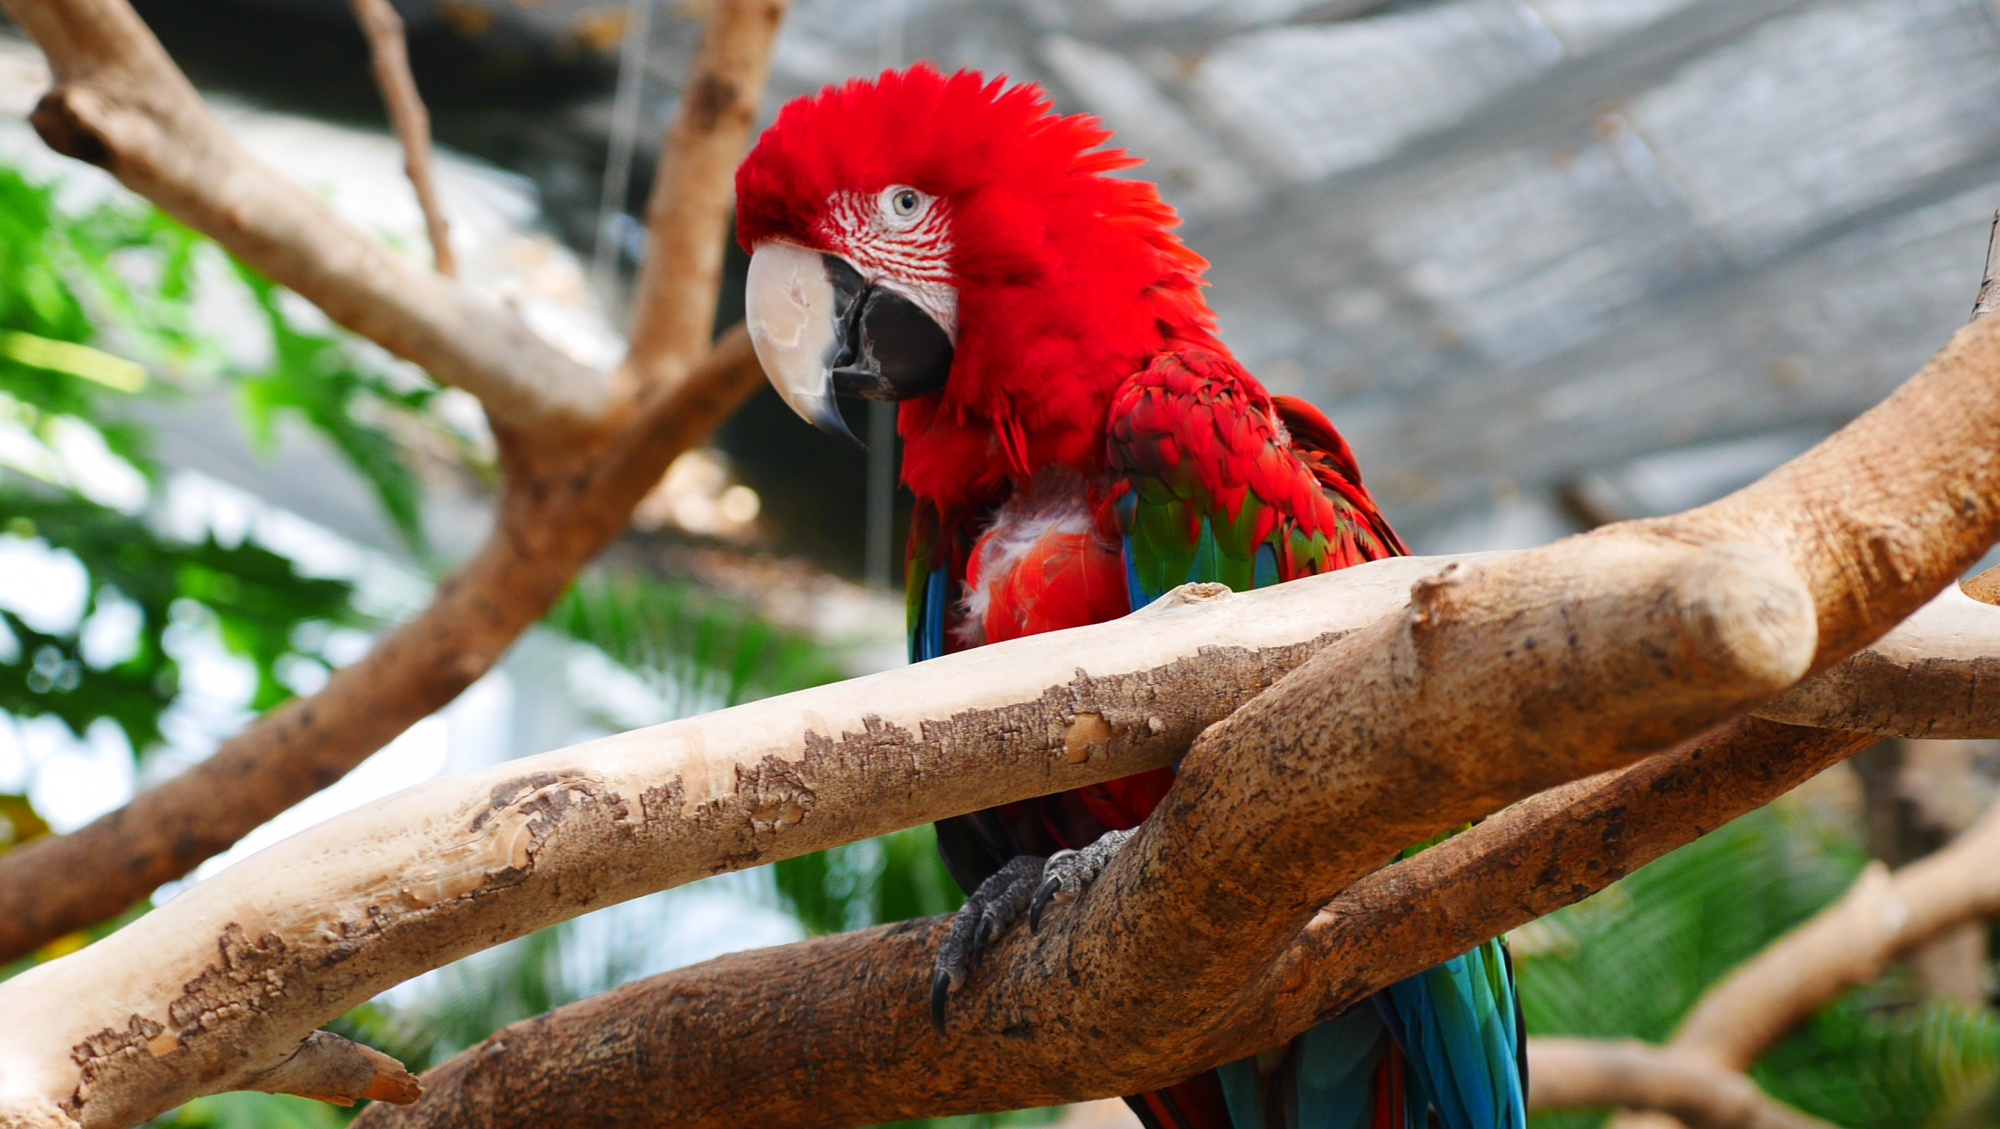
(1345, 1073)
(1460, 1024)
(1448, 1039)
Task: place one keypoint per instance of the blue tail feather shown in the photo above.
(1459, 1025)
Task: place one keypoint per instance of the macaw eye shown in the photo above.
(903, 202)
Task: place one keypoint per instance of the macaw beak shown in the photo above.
(821, 330)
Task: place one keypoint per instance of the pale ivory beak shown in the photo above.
(790, 310)
(821, 330)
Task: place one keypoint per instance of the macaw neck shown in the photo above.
(1049, 409)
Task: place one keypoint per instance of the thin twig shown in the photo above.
(1989, 280)
(391, 55)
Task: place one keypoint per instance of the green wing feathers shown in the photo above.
(1226, 484)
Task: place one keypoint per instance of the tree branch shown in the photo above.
(1844, 945)
(120, 103)
(1501, 678)
(552, 837)
(566, 497)
(688, 214)
(390, 52)
(1937, 675)
(328, 1068)
(1599, 1074)
(764, 1036)
(1988, 298)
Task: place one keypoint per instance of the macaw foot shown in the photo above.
(997, 904)
(1069, 873)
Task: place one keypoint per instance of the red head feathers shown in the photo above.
(973, 202)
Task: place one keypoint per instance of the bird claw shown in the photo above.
(1069, 873)
(997, 904)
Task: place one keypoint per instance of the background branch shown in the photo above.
(391, 57)
(566, 495)
(1847, 944)
(1600, 1074)
(120, 103)
(687, 215)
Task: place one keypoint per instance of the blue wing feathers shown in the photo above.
(927, 634)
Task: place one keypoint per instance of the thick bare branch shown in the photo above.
(1937, 675)
(390, 53)
(548, 527)
(120, 103)
(758, 1037)
(766, 802)
(689, 210)
(1600, 1074)
(1547, 651)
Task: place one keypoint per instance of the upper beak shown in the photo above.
(820, 330)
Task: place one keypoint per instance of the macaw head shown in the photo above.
(951, 242)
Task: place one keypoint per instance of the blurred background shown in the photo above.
(1547, 263)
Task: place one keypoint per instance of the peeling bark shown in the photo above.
(834, 1031)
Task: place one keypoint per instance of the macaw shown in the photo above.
(1079, 441)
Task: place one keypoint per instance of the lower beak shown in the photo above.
(820, 330)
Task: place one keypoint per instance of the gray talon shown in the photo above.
(1069, 873)
(985, 916)
(942, 985)
(1043, 894)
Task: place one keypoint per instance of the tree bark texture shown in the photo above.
(834, 1031)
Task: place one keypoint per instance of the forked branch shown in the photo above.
(120, 103)
(568, 493)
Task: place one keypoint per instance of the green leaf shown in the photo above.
(255, 599)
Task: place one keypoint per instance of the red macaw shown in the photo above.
(1079, 441)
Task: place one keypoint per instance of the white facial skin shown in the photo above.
(898, 239)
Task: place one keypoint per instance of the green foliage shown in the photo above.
(696, 649)
(75, 286)
(255, 1111)
(62, 293)
(253, 597)
(1887, 1064)
(320, 378)
(1631, 960)
(891, 878)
